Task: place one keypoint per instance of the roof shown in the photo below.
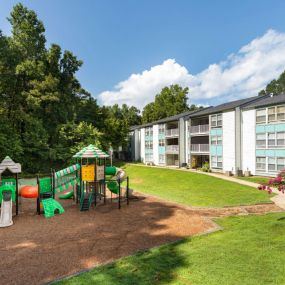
(8, 163)
(164, 120)
(225, 106)
(266, 100)
(91, 151)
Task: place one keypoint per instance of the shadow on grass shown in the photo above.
(156, 266)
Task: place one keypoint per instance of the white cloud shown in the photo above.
(240, 75)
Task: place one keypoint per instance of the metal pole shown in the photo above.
(127, 194)
(119, 202)
(17, 201)
(38, 199)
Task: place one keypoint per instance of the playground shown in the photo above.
(86, 215)
(39, 250)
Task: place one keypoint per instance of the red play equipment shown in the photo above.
(29, 192)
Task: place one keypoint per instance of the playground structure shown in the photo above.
(8, 191)
(93, 181)
(85, 182)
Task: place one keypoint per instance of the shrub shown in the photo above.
(277, 182)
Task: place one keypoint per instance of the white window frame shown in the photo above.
(161, 158)
(161, 129)
(217, 162)
(265, 140)
(148, 145)
(276, 164)
(161, 142)
(265, 163)
(217, 119)
(261, 116)
(148, 131)
(215, 140)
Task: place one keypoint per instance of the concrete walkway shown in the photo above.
(279, 199)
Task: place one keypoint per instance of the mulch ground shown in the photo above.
(36, 250)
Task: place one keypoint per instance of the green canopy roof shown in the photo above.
(91, 151)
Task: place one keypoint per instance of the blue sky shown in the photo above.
(129, 43)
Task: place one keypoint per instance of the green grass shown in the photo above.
(192, 188)
(256, 179)
(249, 251)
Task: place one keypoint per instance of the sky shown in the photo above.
(222, 50)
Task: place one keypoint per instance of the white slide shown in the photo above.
(6, 210)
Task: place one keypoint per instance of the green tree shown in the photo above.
(276, 86)
(170, 101)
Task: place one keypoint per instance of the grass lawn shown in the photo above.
(250, 251)
(192, 188)
(256, 179)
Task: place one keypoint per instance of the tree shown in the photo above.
(45, 113)
(170, 101)
(275, 86)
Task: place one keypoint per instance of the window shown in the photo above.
(161, 142)
(216, 162)
(261, 116)
(280, 163)
(148, 157)
(161, 158)
(271, 164)
(161, 129)
(276, 164)
(148, 131)
(261, 163)
(148, 145)
(216, 120)
(276, 139)
(271, 114)
(271, 139)
(281, 139)
(261, 140)
(280, 113)
(216, 140)
(276, 113)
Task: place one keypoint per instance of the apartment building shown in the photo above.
(234, 137)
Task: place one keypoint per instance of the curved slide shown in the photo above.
(67, 195)
(117, 173)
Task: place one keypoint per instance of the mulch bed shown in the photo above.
(37, 250)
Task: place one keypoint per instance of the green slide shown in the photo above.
(111, 170)
(50, 205)
(66, 195)
(113, 186)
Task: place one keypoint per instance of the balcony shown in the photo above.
(172, 133)
(200, 148)
(199, 129)
(172, 149)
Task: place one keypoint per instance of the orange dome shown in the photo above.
(29, 191)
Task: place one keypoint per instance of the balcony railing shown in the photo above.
(200, 148)
(172, 133)
(199, 129)
(172, 148)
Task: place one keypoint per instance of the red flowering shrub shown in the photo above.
(277, 182)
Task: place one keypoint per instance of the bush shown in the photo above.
(205, 167)
(277, 182)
